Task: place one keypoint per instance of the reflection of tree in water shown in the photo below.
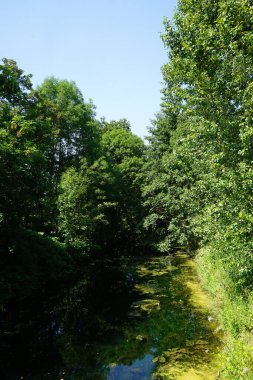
(112, 318)
(174, 331)
(102, 326)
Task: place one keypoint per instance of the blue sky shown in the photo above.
(110, 48)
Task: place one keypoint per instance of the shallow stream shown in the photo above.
(139, 319)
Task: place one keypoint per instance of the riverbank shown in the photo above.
(235, 312)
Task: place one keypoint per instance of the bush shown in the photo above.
(30, 264)
(235, 309)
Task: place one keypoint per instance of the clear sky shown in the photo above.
(110, 48)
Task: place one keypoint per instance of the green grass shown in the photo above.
(235, 311)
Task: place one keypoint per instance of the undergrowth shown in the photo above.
(235, 310)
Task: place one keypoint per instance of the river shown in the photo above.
(134, 319)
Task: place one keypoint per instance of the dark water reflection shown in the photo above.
(140, 369)
(123, 321)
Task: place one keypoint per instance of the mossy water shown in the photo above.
(138, 319)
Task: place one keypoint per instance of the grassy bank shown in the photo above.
(235, 310)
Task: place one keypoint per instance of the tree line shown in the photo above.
(70, 184)
(201, 146)
(74, 187)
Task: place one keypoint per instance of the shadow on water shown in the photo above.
(139, 320)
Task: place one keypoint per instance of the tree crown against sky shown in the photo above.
(114, 49)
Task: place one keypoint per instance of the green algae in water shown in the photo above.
(175, 324)
(195, 357)
(165, 333)
(141, 320)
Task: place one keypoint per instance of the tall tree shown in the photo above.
(23, 143)
(72, 121)
(100, 203)
(73, 131)
(204, 125)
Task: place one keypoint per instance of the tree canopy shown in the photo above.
(74, 188)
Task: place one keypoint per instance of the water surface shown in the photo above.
(138, 319)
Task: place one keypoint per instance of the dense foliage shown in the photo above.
(74, 187)
(201, 144)
(70, 184)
